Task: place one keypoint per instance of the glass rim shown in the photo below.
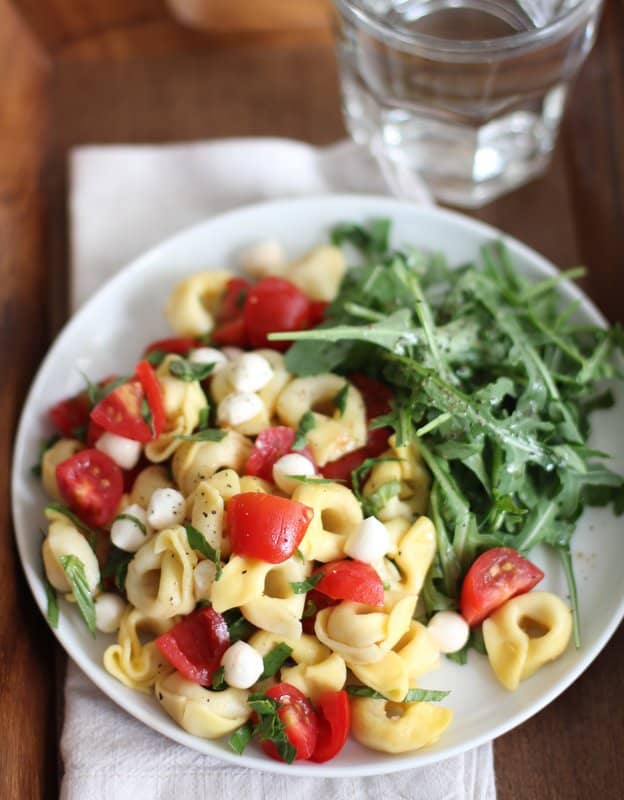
(527, 39)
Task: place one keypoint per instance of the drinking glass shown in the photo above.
(466, 94)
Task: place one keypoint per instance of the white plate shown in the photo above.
(108, 334)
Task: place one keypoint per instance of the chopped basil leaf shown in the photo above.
(359, 473)
(53, 607)
(188, 371)
(270, 727)
(204, 418)
(307, 584)
(97, 392)
(44, 446)
(218, 680)
(306, 423)
(238, 626)
(62, 509)
(116, 566)
(274, 660)
(307, 479)
(373, 504)
(412, 696)
(206, 435)
(79, 432)
(340, 400)
(299, 555)
(197, 541)
(135, 520)
(75, 573)
(241, 738)
(156, 357)
(309, 610)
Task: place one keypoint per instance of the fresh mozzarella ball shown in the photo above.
(266, 257)
(239, 407)
(109, 609)
(369, 542)
(449, 630)
(208, 355)
(291, 464)
(124, 452)
(242, 665)
(232, 352)
(203, 578)
(250, 372)
(127, 534)
(166, 507)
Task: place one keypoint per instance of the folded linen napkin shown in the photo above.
(125, 199)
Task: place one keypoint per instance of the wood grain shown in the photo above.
(141, 78)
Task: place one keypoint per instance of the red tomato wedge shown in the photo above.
(334, 713)
(271, 444)
(196, 644)
(495, 577)
(71, 414)
(94, 431)
(266, 527)
(91, 484)
(376, 395)
(153, 393)
(231, 334)
(299, 719)
(342, 468)
(233, 299)
(179, 345)
(351, 580)
(317, 311)
(120, 412)
(275, 304)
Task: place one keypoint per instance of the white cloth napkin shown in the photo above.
(125, 199)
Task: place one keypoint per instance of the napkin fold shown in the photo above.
(125, 199)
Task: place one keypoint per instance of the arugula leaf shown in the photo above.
(241, 738)
(372, 240)
(75, 573)
(340, 400)
(274, 660)
(197, 541)
(188, 371)
(307, 584)
(205, 435)
(306, 424)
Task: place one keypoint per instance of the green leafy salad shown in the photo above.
(493, 378)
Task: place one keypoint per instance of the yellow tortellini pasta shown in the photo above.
(319, 272)
(525, 633)
(335, 432)
(241, 581)
(414, 555)
(337, 512)
(205, 507)
(160, 576)
(192, 305)
(397, 727)
(135, 664)
(201, 711)
(64, 539)
(194, 462)
(279, 608)
(146, 483)
(183, 402)
(407, 468)
(53, 456)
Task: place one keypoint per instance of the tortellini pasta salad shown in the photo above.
(260, 540)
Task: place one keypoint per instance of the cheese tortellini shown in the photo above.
(192, 305)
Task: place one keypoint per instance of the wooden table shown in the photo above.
(128, 74)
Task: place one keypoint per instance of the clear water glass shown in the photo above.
(466, 94)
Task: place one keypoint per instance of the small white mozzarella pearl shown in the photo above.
(232, 352)
(266, 257)
(250, 372)
(239, 407)
(166, 507)
(449, 630)
(208, 355)
(242, 665)
(369, 542)
(203, 578)
(124, 452)
(291, 464)
(109, 609)
(125, 533)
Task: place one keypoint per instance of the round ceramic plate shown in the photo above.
(107, 336)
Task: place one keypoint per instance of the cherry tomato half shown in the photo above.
(233, 299)
(495, 577)
(271, 444)
(266, 527)
(153, 394)
(299, 719)
(71, 414)
(351, 580)
(334, 713)
(179, 345)
(196, 644)
(231, 334)
(120, 412)
(342, 468)
(275, 304)
(91, 484)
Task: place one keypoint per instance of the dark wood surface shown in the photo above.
(131, 75)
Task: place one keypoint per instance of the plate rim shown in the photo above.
(423, 757)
